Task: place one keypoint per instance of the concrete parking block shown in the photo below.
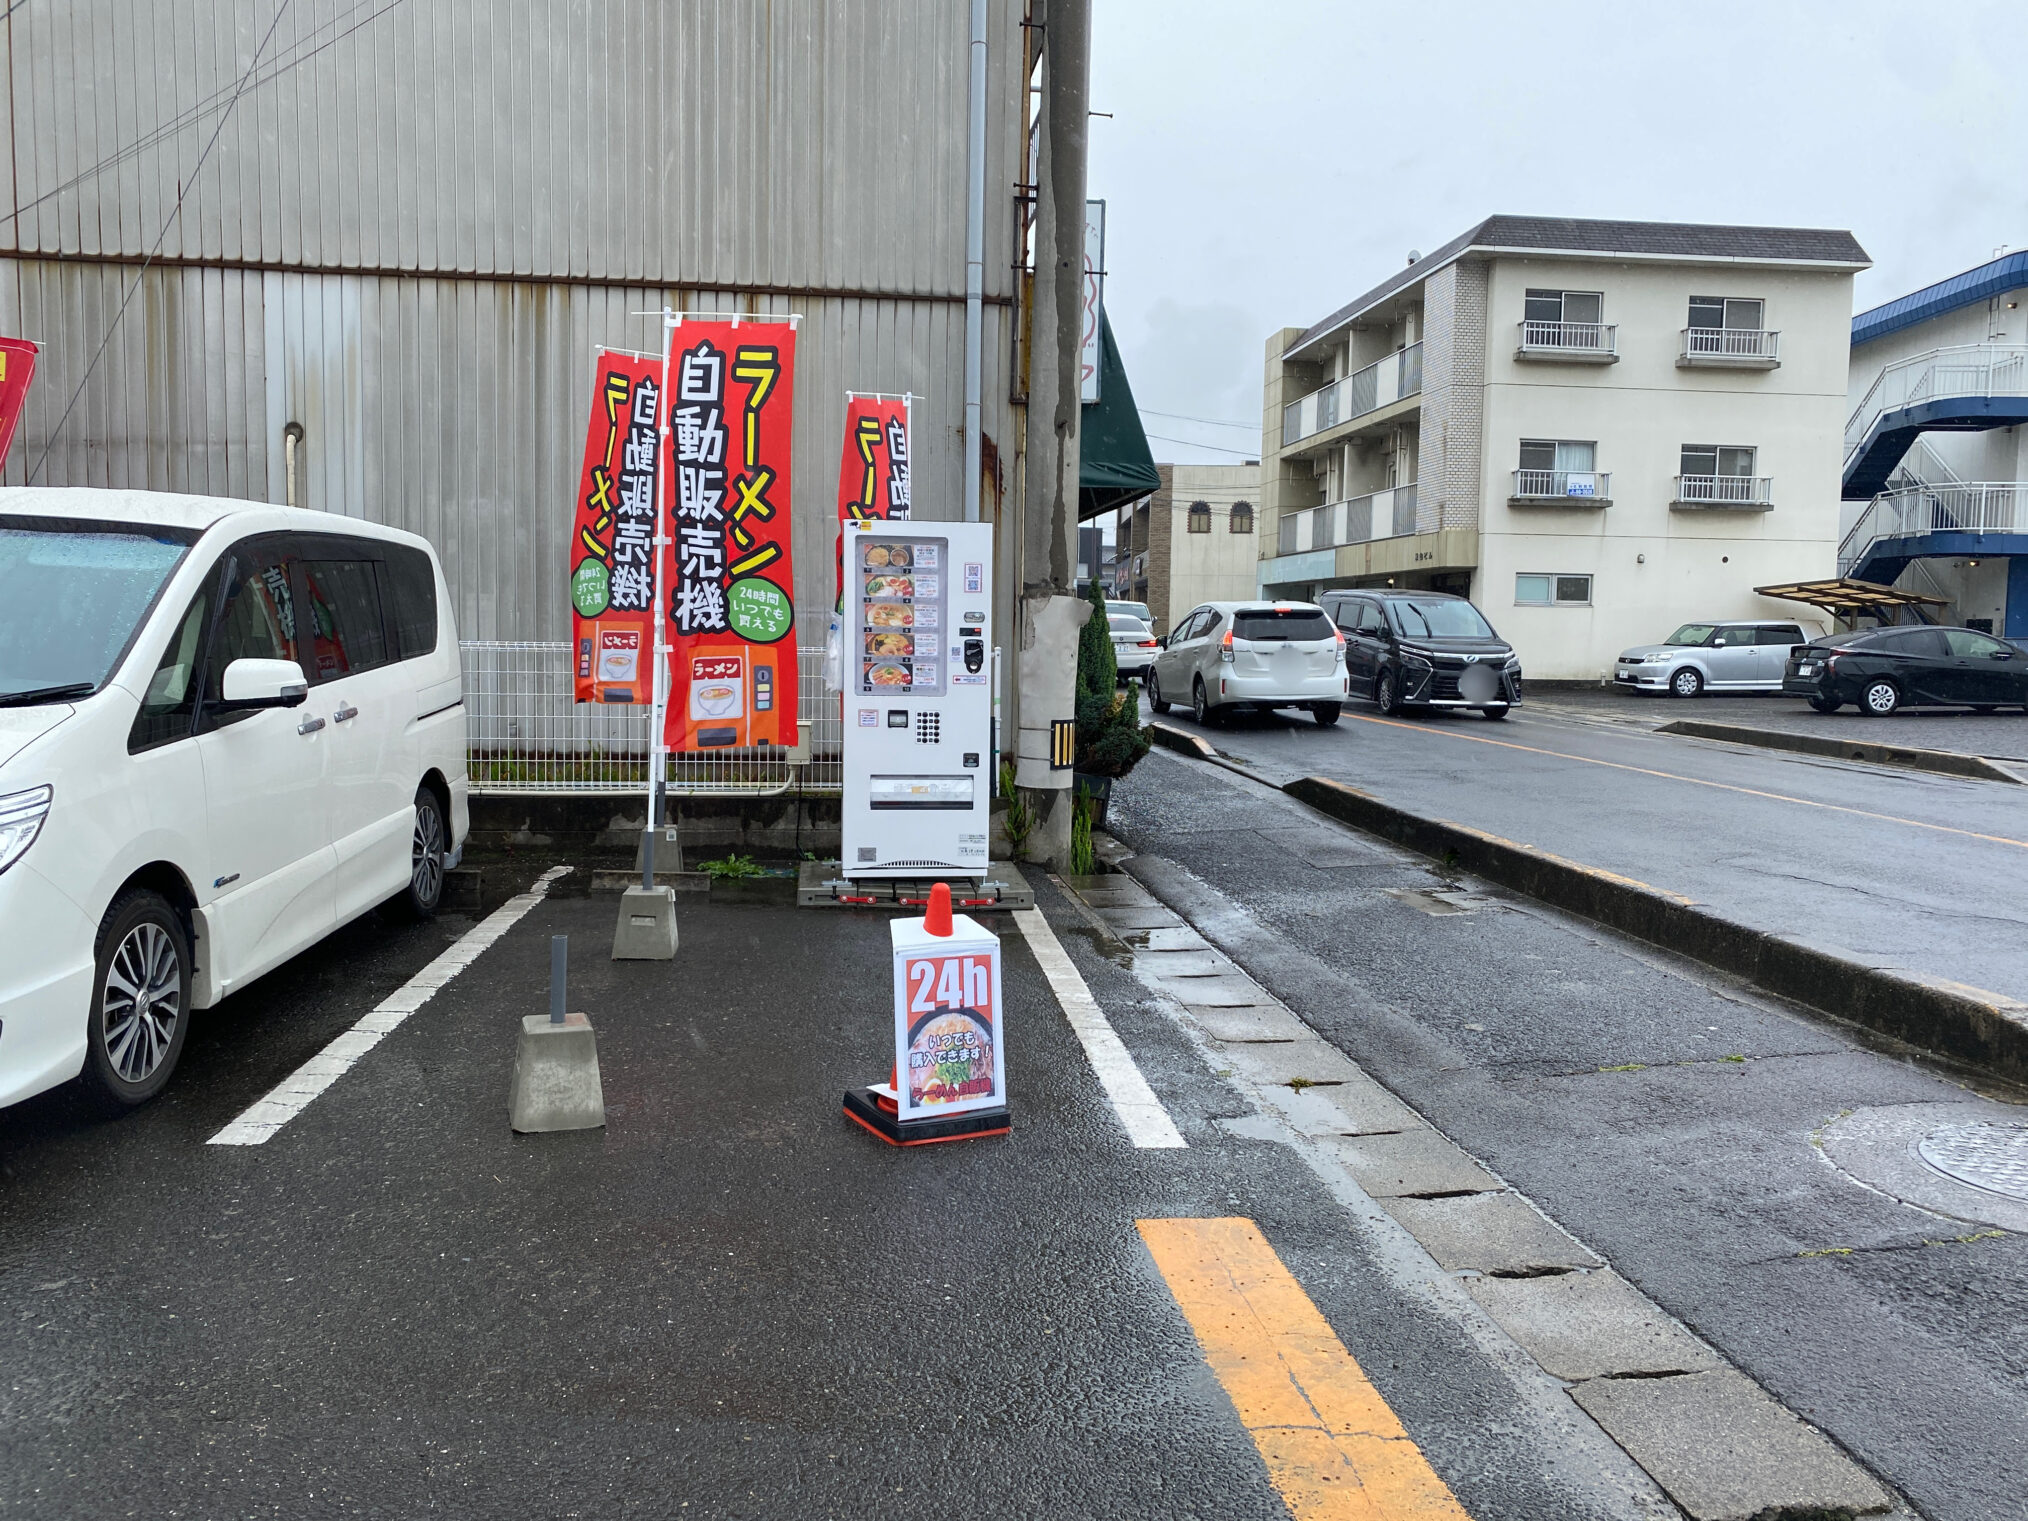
(1491, 1233)
(1350, 1108)
(1262, 1022)
(1586, 1325)
(1415, 1162)
(1725, 1451)
(1311, 1061)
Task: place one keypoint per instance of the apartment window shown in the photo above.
(1552, 591)
(1587, 306)
(1241, 520)
(1200, 517)
(1735, 312)
(1717, 459)
(1558, 454)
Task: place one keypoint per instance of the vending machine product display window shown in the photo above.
(919, 702)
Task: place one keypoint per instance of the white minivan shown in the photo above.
(226, 729)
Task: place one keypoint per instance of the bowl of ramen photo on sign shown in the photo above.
(887, 673)
(950, 1058)
(883, 556)
(890, 642)
(889, 586)
(890, 615)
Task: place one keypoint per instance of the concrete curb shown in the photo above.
(1943, 762)
(1181, 741)
(1966, 1023)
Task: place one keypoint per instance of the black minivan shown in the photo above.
(1423, 649)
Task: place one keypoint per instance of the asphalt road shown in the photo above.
(729, 1302)
(1668, 1119)
(1894, 867)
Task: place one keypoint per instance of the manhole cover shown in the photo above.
(1992, 1157)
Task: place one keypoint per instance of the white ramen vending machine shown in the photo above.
(918, 698)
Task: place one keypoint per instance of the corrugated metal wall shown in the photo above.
(419, 222)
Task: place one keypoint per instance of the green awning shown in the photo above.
(1114, 464)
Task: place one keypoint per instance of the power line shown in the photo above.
(182, 190)
(191, 115)
(1248, 454)
(1216, 422)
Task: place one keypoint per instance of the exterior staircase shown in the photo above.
(1965, 389)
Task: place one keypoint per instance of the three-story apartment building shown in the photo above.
(1596, 430)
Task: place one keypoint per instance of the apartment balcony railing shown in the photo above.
(1563, 488)
(1379, 515)
(1753, 492)
(1915, 510)
(1368, 390)
(1570, 342)
(1743, 348)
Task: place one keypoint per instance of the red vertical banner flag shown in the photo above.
(730, 580)
(612, 546)
(873, 473)
(17, 368)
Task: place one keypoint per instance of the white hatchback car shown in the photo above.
(1226, 656)
(226, 729)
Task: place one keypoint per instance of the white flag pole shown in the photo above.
(658, 704)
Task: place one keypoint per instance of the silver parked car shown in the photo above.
(1227, 656)
(1718, 656)
(1133, 645)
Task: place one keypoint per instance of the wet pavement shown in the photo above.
(1886, 866)
(729, 1302)
(2001, 736)
(1670, 1121)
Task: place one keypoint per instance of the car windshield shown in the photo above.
(1439, 618)
(71, 596)
(1139, 610)
(1268, 623)
(1691, 633)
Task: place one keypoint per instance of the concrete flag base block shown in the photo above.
(647, 927)
(556, 1077)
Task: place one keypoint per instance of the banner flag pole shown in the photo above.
(659, 689)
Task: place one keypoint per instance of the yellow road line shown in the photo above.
(1334, 1449)
(1695, 781)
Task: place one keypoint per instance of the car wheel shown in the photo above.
(1200, 702)
(140, 1000)
(1155, 698)
(1494, 712)
(1326, 713)
(1383, 693)
(1880, 698)
(429, 845)
(1686, 683)
(1826, 704)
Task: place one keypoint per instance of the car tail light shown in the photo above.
(1225, 646)
(1149, 644)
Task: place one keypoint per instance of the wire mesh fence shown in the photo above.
(526, 733)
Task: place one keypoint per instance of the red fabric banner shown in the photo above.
(873, 473)
(612, 582)
(730, 579)
(17, 368)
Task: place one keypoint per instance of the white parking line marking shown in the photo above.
(1146, 1122)
(292, 1095)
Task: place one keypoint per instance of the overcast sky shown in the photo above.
(1267, 161)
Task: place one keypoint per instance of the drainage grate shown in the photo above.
(1992, 1157)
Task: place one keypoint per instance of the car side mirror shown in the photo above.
(262, 684)
(1718, 644)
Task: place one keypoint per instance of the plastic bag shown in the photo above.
(834, 655)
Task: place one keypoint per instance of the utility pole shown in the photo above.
(1048, 611)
